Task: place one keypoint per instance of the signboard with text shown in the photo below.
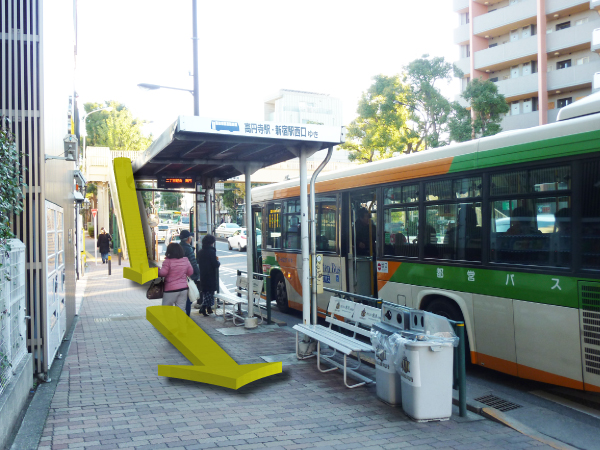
(176, 182)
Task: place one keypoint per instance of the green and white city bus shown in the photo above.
(501, 232)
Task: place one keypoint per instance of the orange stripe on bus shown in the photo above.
(519, 370)
(591, 388)
(426, 169)
(383, 278)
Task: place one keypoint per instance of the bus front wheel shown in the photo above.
(450, 310)
(280, 293)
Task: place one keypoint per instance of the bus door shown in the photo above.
(362, 247)
(256, 237)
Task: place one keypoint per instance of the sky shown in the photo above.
(248, 50)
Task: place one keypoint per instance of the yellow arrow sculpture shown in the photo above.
(138, 270)
(211, 364)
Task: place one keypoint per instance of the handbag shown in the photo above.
(156, 289)
(193, 293)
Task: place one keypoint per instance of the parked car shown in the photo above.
(226, 230)
(239, 240)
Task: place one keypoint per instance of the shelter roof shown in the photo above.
(203, 147)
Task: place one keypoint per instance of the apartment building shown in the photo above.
(291, 106)
(542, 54)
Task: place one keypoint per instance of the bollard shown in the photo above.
(268, 288)
(119, 256)
(462, 373)
(109, 258)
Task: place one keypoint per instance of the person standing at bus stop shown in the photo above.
(188, 250)
(209, 263)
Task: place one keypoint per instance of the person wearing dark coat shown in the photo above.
(208, 263)
(186, 242)
(103, 244)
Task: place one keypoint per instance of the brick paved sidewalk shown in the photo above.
(109, 395)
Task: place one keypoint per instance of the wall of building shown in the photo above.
(57, 87)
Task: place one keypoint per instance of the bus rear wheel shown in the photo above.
(450, 310)
(280, 293)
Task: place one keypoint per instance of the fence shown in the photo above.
(12, 310)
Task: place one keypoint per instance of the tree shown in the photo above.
(116, 129)
(379, 131)
(429, 109)
(171, 200)
(233, 195)
(487, 105)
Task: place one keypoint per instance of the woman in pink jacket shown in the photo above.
(175, 268)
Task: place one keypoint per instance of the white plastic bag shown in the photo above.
(193, 293)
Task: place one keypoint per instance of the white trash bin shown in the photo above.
(425, 367)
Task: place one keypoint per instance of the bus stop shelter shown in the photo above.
(197, 151)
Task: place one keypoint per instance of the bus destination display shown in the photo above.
(166, 182)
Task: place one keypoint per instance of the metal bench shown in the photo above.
(232, 303)
(358, 319)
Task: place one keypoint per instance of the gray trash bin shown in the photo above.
(388, 381)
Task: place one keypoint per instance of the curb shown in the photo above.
(500, 417)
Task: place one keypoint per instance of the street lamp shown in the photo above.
(83, 130)
(153, 87)
(196, 91)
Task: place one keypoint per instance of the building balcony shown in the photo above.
(505, 19)
(505, 55)
(464, 64)
(520, 121)
(596, 40)
(520, 87)
(571, 39)
(461, 5)
(573, 77)
(553, 115)
(462, 35)
(595, 4)
(566, 7)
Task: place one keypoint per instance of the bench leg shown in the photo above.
(346, 379)
(297, 349)
(319, 361)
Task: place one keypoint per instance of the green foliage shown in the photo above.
(234, 194)
(171, 200)
(402, 114)
(487, 105)
(379, 130)
(429, 109)
(91, 230)
(11, 184)
(116, 129)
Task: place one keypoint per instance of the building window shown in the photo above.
(534, 104)
(581, 21)
(563, 64)
(562, 102)
(494, 80)
(534, 67)
(468, 50)
(467, 20)
(584, 60)
(493, 45)
(563, 26)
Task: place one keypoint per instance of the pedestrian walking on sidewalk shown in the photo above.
(103, 244)
(186, 243)
(175, 268)
(208, 262)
